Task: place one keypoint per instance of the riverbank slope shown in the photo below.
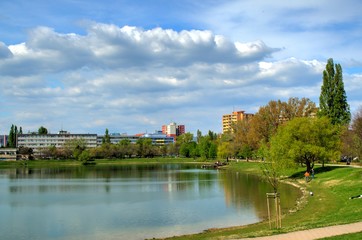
(330, 204)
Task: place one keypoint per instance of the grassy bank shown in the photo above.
(69, 162)
(329, 205)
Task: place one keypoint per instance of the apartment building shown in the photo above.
(173, 130)
(40, 141)
(228, 120)
(8, 154)
(117, 137)
(158, 138)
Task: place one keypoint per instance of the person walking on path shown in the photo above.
(312, 171)
(306, 175)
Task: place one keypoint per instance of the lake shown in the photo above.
(129, 201)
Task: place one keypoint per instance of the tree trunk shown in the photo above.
(308, 164)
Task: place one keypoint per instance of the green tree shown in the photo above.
(203, 147)
(266, 121)
(356, 134)
(333, 100)
(106, 139)
(145, 147)
(212, 150)
(11, 137)
(74, 147)
(42, 130)
(86, 158)
(305, 141)
(224, 150)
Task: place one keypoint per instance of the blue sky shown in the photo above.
(132, 66)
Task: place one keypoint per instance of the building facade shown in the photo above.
(158, 138)
(8, 154)
(173, 130)
(228, 120)
(41, 141)
(3, 140)
(117, 137)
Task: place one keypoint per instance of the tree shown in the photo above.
(224, 150)
(12, 136)
(203, 147)
(145, 147)
(86, 158)
(355, 134)
(74, 147)
(213, 150)
(106, 139)
(42, 130)
(266, 121)
(305, 141)
(333, 100)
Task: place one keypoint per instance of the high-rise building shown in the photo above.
(228, 120)
(173, 130)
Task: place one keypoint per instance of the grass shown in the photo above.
(330, 204)
(69, 162)
(352, 236)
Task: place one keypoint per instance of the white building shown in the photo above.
(40, 141)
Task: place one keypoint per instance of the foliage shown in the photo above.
(42, 130)
(267, 120)
(13, 135)
(106, 139)
(352, 137)
(145, 148)
(333, 100)
(305, 141)
(74, 147)
(248, 135)
(86, 158)
(224, 150)
(212, 151)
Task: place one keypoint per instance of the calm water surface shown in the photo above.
(128, 202)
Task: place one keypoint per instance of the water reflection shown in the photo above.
(127, 202)
(249, 191)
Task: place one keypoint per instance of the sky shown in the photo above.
(134, 65)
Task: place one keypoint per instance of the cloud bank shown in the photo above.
(129, 79)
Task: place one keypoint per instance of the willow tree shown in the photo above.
(333, 100)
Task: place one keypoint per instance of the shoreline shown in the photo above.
(330, 205)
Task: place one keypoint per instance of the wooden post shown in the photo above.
(267, 199)
(278, 213)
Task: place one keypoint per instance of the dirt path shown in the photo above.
(315, 233)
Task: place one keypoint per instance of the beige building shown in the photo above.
(228, 120)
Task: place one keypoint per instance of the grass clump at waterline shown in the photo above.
(330, 204)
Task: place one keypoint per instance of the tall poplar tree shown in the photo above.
(333, 100)
(12, 136)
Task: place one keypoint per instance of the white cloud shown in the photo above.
(130, 80)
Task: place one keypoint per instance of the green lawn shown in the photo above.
(329, 205)
(352, 236)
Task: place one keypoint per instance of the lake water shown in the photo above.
(128, 202)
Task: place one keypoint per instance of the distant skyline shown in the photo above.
(133, 66)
